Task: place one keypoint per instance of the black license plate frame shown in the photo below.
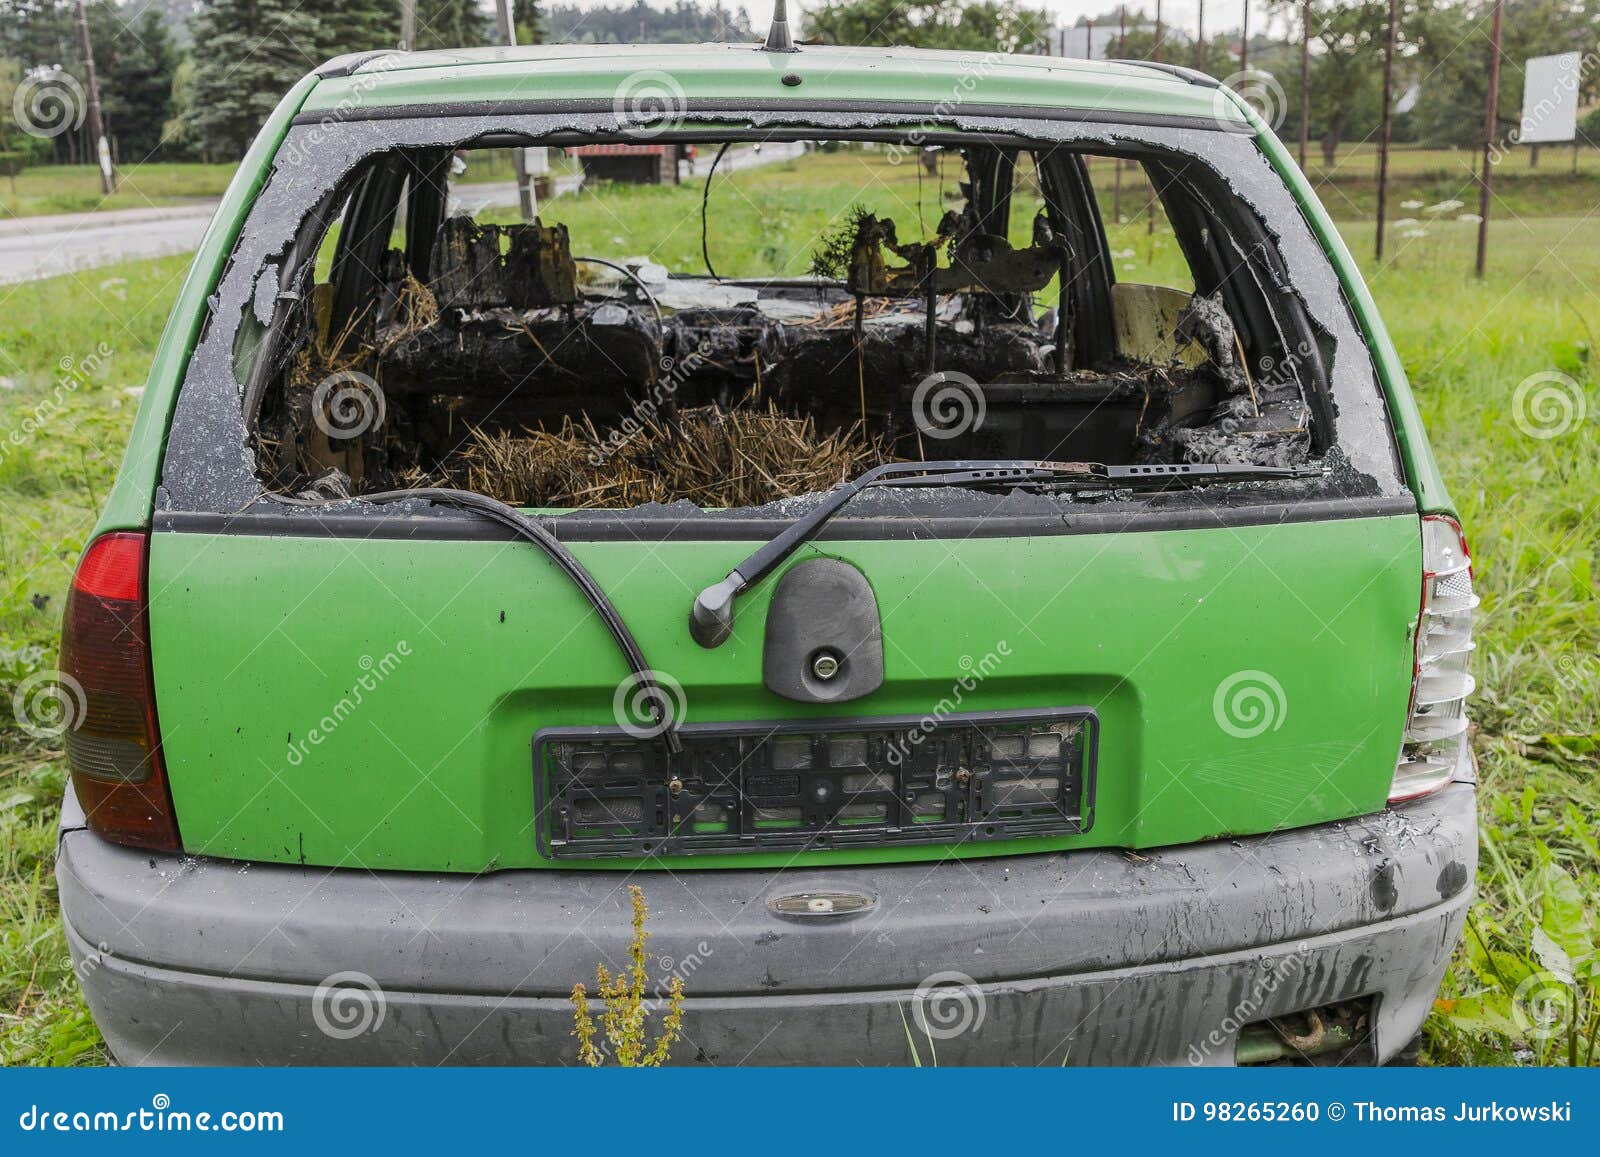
(814, 784)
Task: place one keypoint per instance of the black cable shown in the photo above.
(661, 325)
(558, 553)
(705, 201)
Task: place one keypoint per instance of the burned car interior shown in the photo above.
(411, 344)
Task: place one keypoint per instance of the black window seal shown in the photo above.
(627, 526)
(741, 106)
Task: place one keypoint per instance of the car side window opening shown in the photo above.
(731, 323)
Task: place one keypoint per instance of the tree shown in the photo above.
(178, 137)
(135, 61)
(988, 26)
(1347, 46)
(359, 25)
(1453, 46)
(453, 24)
(685, 22)
(248, 53)
(42, 36)
(18, 149)
(38, 32)
(529, 21)
(1347, 75)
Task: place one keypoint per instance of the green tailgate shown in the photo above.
(371, 703)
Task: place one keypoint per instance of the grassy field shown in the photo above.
(1529, 502)
(1348, 186)
(772, 220)
(76, 188)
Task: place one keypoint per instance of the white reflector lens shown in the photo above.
(1434, 750)
(1426, 767)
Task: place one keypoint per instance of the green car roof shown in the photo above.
(666, 73)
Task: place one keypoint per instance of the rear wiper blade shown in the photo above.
(711, 616)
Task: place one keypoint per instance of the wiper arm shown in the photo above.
(711, 616)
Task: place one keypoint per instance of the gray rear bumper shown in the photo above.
(1098, 957)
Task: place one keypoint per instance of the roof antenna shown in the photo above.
(778, 38)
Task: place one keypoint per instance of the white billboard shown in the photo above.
(1550, 99)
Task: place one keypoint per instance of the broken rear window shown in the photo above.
(732, 320)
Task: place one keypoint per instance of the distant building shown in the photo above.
(632, 164)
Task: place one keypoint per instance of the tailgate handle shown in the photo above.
(824, 639)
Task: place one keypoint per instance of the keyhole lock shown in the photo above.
(825, 664)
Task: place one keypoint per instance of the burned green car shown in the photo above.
(960, 644)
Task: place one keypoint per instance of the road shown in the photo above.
(36, 247)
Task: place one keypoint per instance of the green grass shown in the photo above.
(765, 221)
(770, 221)
(1530, 508)
(76, 188)
(494, 165)
(1529, 505)
(51, 486)
(1348, 186)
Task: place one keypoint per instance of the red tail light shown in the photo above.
(113, 740)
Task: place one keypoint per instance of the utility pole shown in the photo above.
(519, 155)
(1305, 78)
(1383, 131)
(408, 25)
(1116, 162)
(108, 174)
(1490, 123)
(1150, 216)
(1244, 40)
(1200, 38)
